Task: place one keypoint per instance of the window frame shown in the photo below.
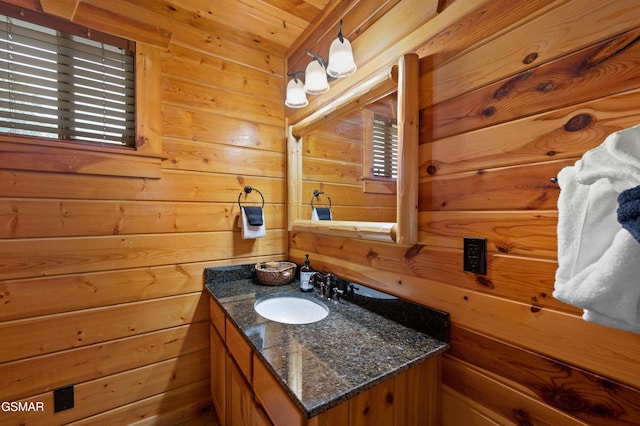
(19, 152)
(371, 183)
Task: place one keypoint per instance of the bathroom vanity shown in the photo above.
(354, 367)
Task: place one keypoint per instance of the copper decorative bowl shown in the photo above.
(275, 273)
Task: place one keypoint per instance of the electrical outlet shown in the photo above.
(63, 398)
(475, 255)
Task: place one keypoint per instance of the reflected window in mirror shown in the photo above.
(384, 147)
(380, 146)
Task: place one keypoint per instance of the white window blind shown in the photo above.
(62, 86)
(385, 147)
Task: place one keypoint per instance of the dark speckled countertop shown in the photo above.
(325, 363)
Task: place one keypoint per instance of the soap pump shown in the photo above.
(306, 271)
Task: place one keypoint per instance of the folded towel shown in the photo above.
(616, 160)
(598, 265)
(254, 215)
(609, 290)
(321, 213)
(250, 231)
(629, 211)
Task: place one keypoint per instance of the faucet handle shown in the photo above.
(323, 289)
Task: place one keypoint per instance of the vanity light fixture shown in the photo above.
(341, 63)
(320, 72)
(296, 96)
(316, 81)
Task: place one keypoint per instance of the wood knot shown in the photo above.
(432, 169)
(566, 399)
(489, 112)
(484, 282)
(530, 58)
(522, 417)
(413, 251)
(510, 85)
(578, 122)
(389, 398)
(544, 87)
(536, 308)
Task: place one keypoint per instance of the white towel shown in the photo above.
(251, 231)
(598, 260)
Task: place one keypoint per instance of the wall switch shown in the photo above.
(475, 255)
(63, 398)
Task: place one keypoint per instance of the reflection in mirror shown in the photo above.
(346, 158)
(353, 151)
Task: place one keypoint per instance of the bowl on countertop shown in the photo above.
(275, 273)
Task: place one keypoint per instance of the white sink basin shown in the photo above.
(291, 309)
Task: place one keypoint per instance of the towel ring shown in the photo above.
(248, 189)
(316, 193)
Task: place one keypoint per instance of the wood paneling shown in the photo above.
(29, 218)
(567, 28)
(605, 68)
(113, 391)
(584, 395)
(509, 95)
(72, 255)
(103, 252)
(172, 407)
(33, 375)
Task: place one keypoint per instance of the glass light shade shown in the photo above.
(315, 78)
(296, 96)
(341, 63)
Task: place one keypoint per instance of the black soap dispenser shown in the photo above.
(306, 284)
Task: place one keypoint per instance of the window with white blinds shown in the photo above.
(58, 85)
(385, 147)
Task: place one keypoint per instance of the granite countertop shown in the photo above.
(327, 362)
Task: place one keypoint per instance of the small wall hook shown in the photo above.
(554, 180)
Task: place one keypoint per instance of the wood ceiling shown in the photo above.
(272, 25)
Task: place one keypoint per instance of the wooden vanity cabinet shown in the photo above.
(244, 392)
(231, 370)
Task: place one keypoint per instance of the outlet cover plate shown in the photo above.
(63, 398)
(475, 255)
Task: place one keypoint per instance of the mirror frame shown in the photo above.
(402, 77)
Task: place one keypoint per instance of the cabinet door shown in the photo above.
(218, 374)
(240, 405)
(273, 398)
(259, 417)
(239, 349)
(374, 407)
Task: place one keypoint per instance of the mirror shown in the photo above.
(389, 207)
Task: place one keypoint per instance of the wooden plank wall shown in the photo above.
(101, 277)
(510, 93)
(332, 162)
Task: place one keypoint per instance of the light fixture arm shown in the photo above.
(317, 58)
(340, 36)
(295, 74)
